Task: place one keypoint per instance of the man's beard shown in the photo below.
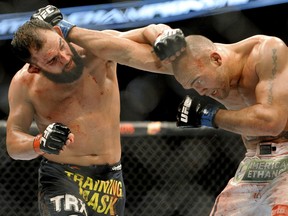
(71, 76)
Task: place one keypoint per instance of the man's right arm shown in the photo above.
(18, 140)
(20, 144)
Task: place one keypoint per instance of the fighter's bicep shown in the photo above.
(272, 95)
(130, 53)
(21, 111)
(272, 71)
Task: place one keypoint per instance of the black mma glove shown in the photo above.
(169, 43)
(52, 140)
(193, 113)
(53, 15)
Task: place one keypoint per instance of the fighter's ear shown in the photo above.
(33, 69)
(216, 58)
(58, 30)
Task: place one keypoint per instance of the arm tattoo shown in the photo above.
(273, 74)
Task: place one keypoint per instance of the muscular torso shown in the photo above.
(90, 107)
(243, 94)
(240, 98)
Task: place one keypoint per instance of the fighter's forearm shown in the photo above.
(20, 146)
(146, 35)
(87, 38)
(251, 121)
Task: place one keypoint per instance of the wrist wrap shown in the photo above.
(36, 144)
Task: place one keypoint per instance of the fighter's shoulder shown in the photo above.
(19, 89)
(262, 38)
(260, 47)
(261, 41)
(269, 42)
(268, 52)
(21, 77)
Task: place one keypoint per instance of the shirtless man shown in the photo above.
(71, 92)
(250, 79)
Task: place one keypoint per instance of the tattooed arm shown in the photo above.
(268, 115)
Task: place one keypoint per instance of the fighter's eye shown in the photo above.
(52, 61)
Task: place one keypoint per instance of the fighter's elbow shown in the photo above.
(11, 152)
(274, 128)
(17, 153)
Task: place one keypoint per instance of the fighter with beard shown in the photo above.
(68, 86)
(69, 76)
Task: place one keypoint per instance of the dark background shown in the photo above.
(197, 178)
(147, 96)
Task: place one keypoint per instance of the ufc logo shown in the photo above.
(184, 114)
(185, 109)
(44, 13)
(47, 132)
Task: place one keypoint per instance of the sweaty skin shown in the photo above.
(89, 106)
(250, 79)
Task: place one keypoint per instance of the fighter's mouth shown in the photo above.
(69, 66)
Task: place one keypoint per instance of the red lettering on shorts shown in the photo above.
(280, 210)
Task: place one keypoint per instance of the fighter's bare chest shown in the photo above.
(72, 101)
(239, 98)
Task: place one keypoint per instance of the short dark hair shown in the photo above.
(27, 37)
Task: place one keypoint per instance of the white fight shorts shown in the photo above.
(260, 185)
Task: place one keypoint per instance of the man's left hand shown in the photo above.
(53, 16)
(169, 44)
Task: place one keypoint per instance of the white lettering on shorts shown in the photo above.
(68, 203)
(260, 170)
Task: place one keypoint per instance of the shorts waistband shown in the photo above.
(272, 149)
(101, 168)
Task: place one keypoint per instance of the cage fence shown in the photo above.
(167, 171)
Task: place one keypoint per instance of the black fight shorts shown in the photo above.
(70, 190)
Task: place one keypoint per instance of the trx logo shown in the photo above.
(68, 203)
(185, 109)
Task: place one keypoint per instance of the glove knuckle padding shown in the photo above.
(53, 15)
(169, 43)
(55, 136)
(159, 50)
(55, 144)
(49, 14)
(62, 128)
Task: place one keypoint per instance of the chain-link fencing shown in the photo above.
(168, 171)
